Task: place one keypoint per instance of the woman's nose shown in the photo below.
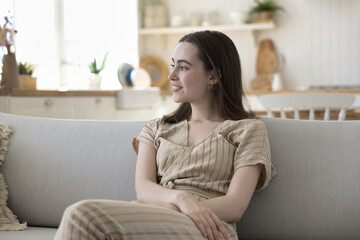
(172, 76)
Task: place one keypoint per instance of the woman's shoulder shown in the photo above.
(154, 122)
(245, 124)
(236, 130)
(159, 126)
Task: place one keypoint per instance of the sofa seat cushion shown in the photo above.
(31, 233)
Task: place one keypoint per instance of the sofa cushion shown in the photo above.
(316, 192)
(8, 220)
(54, 163)
(31, 233)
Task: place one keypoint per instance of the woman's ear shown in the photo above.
(215, 78)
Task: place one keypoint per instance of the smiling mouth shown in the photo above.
(176, 88)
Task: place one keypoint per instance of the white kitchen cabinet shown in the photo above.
(4, 103)
(82, 107)
(53, 107)
(101, 107)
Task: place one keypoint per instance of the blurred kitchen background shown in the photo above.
(305, 46)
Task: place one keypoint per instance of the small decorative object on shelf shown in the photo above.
(136, 91)
(211, 19)
(196, 19)
(177, 21)
(238, 17)
(155, 14)
(265, 10)
(26, 80)
(267, 64)
(8, 74)
(151, 62)
(95, 78)
(133, 77)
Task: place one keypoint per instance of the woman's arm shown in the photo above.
(147, 189)
(232, 206)
(229, 208)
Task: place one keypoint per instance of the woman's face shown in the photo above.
(189, 79)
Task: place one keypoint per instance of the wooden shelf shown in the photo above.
(223, 28)
(355, 91)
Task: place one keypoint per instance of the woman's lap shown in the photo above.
(108, 219)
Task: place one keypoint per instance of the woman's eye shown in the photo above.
(181, 68)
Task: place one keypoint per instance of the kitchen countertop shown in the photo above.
(41, 93)
(44, 93)
(352, 114)
(57, 93)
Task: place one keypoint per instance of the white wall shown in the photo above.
(320, 39)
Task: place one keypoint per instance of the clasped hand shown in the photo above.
(205, 219)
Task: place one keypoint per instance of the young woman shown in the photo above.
(198, 167)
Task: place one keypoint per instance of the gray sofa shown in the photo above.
(52, 163)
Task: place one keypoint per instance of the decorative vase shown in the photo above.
(9, 76)
(94, 81)
(27, 82)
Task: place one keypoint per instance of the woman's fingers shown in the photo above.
(209, 225)
(199, 223)
(220, 226)
(204, 218)
(211, 228)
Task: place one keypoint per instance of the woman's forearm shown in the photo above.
(232, 206)
(225, 208)
(153, 193)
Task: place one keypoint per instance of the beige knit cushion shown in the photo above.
(8, 220)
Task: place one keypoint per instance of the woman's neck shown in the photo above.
(205, 111)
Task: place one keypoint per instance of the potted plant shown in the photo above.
(266, 9)
(26, 80)
(95, 78)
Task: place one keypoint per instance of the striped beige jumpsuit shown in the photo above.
(204, 170)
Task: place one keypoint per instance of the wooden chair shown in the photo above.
(308, 101)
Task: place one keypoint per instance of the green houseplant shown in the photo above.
(95, 78)
(266, 9)
(93, 66)
(26, 68)
(26, 80)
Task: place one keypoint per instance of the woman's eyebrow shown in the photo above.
(182, 60)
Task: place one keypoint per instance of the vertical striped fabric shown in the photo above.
(204, 170)
(107, 219)
(208, 166)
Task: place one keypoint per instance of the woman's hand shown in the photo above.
(205, 219)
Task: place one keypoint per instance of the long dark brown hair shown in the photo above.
(218, 52)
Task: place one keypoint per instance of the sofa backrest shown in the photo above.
(316, 192)
(53, 163)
